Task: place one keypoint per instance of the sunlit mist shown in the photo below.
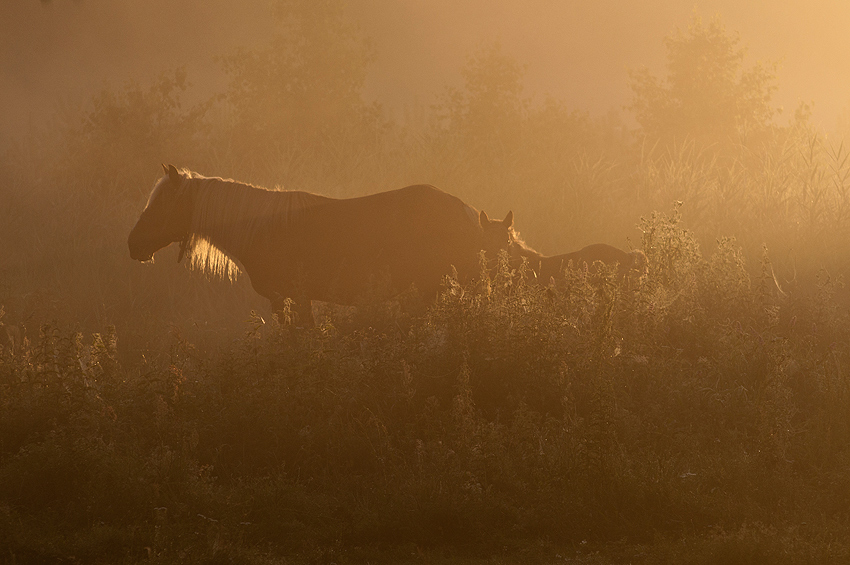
(542, 281)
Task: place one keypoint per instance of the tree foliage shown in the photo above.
(127, 129)
(486, 117)
(708, 94)
(305, 85)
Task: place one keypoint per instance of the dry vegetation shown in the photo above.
(695, 415)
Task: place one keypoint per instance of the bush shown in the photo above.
(594, 409)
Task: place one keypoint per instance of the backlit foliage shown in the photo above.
(707, 95)
(299, 97)
(125, 129)
(682, 403)
(698, 414)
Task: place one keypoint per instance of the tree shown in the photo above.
(127, 129)
(485, 119)
(304, 86)
(707, 96)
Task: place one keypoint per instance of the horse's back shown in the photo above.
(608, 254)
(414, 234)
(415, 203)
(587, 256)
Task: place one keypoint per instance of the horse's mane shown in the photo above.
(230, 214)
(519, 248)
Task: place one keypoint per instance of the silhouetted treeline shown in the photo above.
(145, 411)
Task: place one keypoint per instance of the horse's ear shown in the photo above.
(165, 168)
(509, 219)
(484, 219)
(173, 174)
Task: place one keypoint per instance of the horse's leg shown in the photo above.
(295, 313)
(283, 309)
(303, 309)
(302, 306)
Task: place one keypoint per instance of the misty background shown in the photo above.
(581, 118)
(580, 52)
(697, 413)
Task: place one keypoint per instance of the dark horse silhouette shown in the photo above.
(547, 266)
(296, 244)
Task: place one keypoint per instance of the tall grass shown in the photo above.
(671, 405)
(147, 413)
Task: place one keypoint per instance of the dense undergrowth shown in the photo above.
(697, 414)
(690, 404)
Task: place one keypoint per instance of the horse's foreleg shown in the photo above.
(298, 314)
(303, 314)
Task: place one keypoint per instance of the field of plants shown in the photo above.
(698, 414)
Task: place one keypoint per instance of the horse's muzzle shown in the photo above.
(143, 257)
(136, 252)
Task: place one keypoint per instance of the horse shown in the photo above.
(546, 268)
(305, 246)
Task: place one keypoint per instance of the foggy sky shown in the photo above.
(578, 51)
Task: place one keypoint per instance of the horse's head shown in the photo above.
(498, 234)
(166, 218)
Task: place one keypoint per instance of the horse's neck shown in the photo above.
(520, 251)
(235, 217)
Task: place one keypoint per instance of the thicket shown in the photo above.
(685, 403)
(147, 413)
